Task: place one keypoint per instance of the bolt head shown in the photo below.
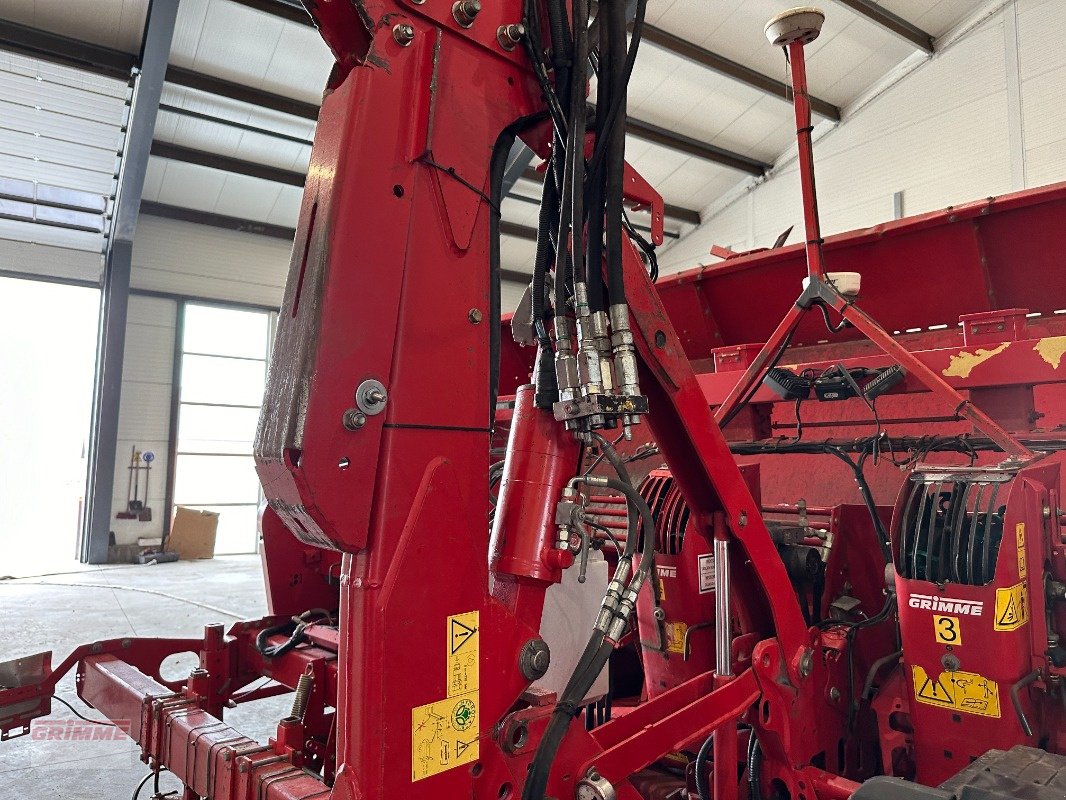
(354, 419)
(404, 34)
(465, 11)
(475, 315)
(510, 35)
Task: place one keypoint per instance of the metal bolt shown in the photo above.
(371, 396)
(465, 11)
(354, 419)
(475, 315)
(404, 34)
(534, 659)
(834, 694)
(950, 662)
(742, 520)
(510, 35)
(806, 664)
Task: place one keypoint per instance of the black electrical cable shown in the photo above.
(645, 246)
(702, 790)
(81, 716)
(868, 500)
(825, 316)
(755, 756)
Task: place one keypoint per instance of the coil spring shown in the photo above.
(301, 696)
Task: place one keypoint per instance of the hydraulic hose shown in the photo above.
(616, 149)
(702, 790)
(594, 658)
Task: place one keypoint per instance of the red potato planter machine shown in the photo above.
(788, 526)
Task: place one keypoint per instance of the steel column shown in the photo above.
(144, 107)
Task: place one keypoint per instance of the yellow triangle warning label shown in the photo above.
(460, 634)
(1012, 608)
(1009, 615)
(934, 691)
(460, 748)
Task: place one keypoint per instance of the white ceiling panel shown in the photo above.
(239, 44)
(189, 185)
(117, 24)
(153, 178)
(935, 17)
(286, 208)
(734, 29)
(249, 198)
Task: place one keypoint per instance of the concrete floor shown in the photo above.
(58, 612)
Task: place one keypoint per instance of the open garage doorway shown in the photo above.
(48, 335)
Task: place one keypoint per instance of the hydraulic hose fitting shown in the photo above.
(626, 607)
(602, 341)
(565, 363)
(588, 364)
(625, 354)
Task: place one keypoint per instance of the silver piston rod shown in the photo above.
(723, 633)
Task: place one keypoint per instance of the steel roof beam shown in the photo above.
(890, 22)
(731, 69)
(244, 94)
(239, 166)
(214, 220)
(293, 12)
(66, 51)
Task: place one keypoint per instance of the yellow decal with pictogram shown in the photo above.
(967, 692)
(444, 734)
(1012, 608)
(675, 637)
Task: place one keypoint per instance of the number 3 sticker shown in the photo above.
(947, 630)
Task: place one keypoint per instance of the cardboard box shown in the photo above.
(192, 533)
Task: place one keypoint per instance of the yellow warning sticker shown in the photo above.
(1012, 608)
(462, 653)
(1019, 535)
(444, 735)
(675, 637)
(947, 630)
(967, 692)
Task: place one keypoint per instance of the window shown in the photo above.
(224, 355)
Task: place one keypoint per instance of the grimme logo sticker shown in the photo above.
(950, 605)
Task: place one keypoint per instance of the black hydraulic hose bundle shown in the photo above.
(575, 194)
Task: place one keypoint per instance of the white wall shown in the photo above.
(200, 261)
(144, 410)
(191, 260)
(986, 115)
